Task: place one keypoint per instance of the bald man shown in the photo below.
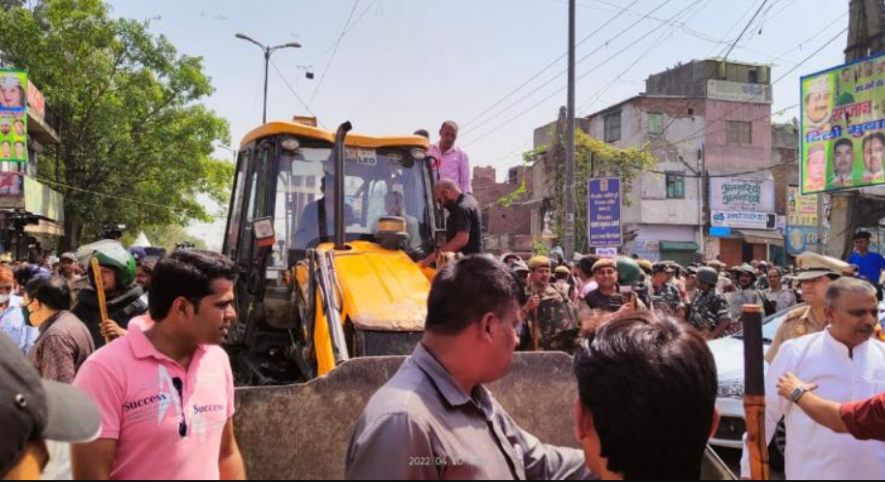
(451, 162)
(464, 226)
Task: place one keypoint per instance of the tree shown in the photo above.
(10, 4)
(136, 142)
(607, 161)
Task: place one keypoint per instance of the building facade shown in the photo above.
(708, 123)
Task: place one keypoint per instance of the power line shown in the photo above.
(809, 39)
(294, 93)
(684, 27)
(651, 48)
(730, 50)
(548, 67)
(749, 24)
(560, 74)
(334, 52)
(703, 131)
(557, 92)
(347, 31)
(795, 67)
(118, 198)
(723, 176)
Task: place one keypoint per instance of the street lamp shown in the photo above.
(268, 51)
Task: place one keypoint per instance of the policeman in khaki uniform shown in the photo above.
(816, 272)
(549, 314)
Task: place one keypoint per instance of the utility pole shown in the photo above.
(570, 139)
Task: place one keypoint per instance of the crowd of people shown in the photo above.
(436, 420)
(564, 298)
(128, 383)
(649, 323)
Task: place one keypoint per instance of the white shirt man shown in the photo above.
(847, 365)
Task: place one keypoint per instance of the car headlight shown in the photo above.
(733, 390)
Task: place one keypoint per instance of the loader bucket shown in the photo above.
(303, 431)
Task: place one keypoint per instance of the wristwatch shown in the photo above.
(798, 394)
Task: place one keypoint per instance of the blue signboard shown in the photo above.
(604, 213)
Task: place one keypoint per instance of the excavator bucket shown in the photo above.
(303, 431)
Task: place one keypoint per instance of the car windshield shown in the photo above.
(378, 183)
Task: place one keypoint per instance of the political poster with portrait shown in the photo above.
(802, 232)
(13, 116)
(843, 127)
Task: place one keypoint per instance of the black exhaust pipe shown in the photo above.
(340, 155)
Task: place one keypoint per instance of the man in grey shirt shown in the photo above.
(747, 293)
(435, 420)
(777, 293)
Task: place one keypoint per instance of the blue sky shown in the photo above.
(409, 64)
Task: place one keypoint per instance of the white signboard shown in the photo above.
(607, 253)
(742, 194)
(744, 220)
(739, 92)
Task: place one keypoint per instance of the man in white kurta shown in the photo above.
(846, 364)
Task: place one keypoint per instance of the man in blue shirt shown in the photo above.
(871, 264)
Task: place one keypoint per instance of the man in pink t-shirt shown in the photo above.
(451, 162)
(166, 394)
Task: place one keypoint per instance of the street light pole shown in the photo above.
(266, 77)
(268, 51)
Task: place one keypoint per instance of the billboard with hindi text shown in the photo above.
(843, 127)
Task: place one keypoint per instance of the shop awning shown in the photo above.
(753, 236)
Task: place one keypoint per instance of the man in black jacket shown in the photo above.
(123, 295)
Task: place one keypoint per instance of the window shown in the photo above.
(738, 133)
(384, 182)
(675, 185)
(613, 127)
(233, 229)
(655, 124)
(754, 76)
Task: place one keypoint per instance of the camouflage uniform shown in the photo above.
(557, 321)
(708, 310)
(565, 287)
(667, 299)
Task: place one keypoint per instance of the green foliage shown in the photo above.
(10, 4)
(131, 121)
(540, 248)
(595, 158)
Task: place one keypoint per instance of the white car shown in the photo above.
(729, 354)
